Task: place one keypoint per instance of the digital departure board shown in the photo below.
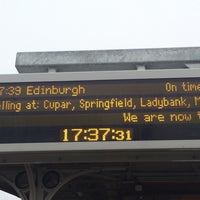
(100, 110)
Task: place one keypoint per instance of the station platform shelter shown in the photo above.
(158, 170)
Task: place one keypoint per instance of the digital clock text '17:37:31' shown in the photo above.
(96, 134)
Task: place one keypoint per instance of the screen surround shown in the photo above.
(166, 75)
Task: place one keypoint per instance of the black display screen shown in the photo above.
(100, 110)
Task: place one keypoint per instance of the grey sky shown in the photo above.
(59, 25)
(62, 25)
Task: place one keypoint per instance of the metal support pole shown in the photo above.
(31, 181)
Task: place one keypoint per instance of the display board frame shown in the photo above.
(101, 146)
